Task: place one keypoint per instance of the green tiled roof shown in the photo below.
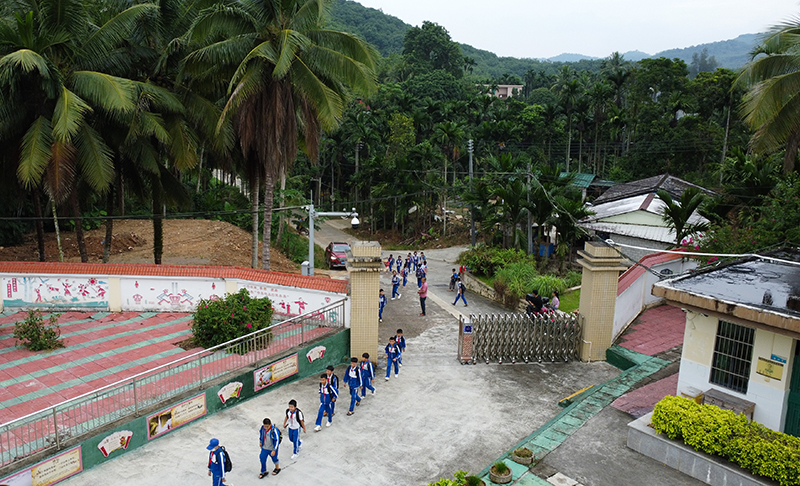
(581, 180)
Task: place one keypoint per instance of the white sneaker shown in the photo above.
(392, 298)
(294, 456)
(398, 296)
(373, 392)
(396, 375)
(387, 378)
(400, 364)
(380, 320)
(328, 424)
(317, 428)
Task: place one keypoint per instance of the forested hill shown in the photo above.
(731, 54)
(386, 33)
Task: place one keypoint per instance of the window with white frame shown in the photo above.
(733, 353)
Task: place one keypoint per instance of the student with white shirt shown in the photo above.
(353, 379)
(295, 421)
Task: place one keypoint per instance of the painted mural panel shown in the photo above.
(54, 291)
(175, 295)
(289, 301)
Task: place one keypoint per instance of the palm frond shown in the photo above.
(159, 99)
(183, 147)
(112, 94)
(95, 159)
(60, 173)
(146, 124)
(290, 44)
(24, 60)
(219, 53)
(250, 83)
(117, 30)
(35, 152)
(346, 44)
(328, 103)
(266, 51)
(310, 15)
(219, 19)
(68, 115)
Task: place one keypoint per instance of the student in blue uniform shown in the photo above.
(327, 394)
(419, 274)
(401, 346)
(404, 273)
(269, 439)
(216, 462)
(391, 358)
(395, 285)
(353, 378)
(333, 380)
(453, 278)
(416, 260)
(460, 292)
(399, 263)
(295, 421)
(390, 263)
(381, 305)
(367, 375)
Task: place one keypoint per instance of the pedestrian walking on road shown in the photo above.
(395, 285)
(327, 394)
(453, 277)
(353, 379)
(381, 305)
(334, 382)
(399, 263)
(295, 421)
(423, 294)
(367, 375)
(420, 272)
(216, 462)
(401, 346)
(391, 358)
(390, 263)
(460, 292)
(269, 438)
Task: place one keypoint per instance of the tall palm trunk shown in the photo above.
(269, 196)
(254, 201)
(37, 209)
(58, 232)
(282, 220)
(109, 224)
(569, 139)
(158, 224)
(791, 152)
(76, 213)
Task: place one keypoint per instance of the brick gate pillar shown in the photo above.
(364, 264)
(602, 265)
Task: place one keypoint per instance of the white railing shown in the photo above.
(51, 427)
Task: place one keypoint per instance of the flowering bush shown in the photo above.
(218, 321)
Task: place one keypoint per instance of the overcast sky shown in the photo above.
(540, 29)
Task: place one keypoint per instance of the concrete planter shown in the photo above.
(525, 461)
(499, 479)
(677, 455)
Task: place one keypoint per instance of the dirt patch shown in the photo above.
(186, 242)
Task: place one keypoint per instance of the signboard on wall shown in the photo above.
(173, 417)
(275, 372)
(769, 368)
(170, 295)
(54, 291)
(51, 471)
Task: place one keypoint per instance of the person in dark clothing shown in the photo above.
(535, 303)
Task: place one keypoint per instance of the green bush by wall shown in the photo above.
(750, 445)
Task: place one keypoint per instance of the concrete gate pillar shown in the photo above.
(601, 267)
(364, 264)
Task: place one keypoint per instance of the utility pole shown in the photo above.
(530, 216)
(471, 205)
(312, 214)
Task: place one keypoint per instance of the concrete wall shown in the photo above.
(770, 395)
(641, 218)
(636, 255)
(141, 293)
(638, 295)
(337, 352)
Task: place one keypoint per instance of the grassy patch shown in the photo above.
(570, 301)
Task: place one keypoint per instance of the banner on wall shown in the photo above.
(275, 372)
(173, 417)
(117, 440)
(48, 472)
(51, 291)
(231, 390)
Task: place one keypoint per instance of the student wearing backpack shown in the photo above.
(391, 358)
(333, 381)
(395, 285)
(401, 346)
(295, 421)
(327, 393)
(420, 273)
(367, 375)
(269, 439)
(460, 291)
(217, 460)
(353, 378)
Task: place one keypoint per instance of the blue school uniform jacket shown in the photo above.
(272, 435)
(367, 370)
(327, 390)
(395, 280)
(353, 377)
(382, 301)
(392, 351)
(400, 342)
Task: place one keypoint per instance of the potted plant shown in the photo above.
(500, 473)
(473, 481)
(523, 456)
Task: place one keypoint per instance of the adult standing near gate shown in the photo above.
(423, 294)
(216, 462)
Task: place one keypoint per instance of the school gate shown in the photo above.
(519, 337)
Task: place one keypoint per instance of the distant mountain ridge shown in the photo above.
(386, 33)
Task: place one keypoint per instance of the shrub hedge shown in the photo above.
(750, 445)
(218, 321)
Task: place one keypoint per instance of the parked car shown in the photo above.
(336, 254)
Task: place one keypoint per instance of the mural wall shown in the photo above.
(289, 301)
(55, 291)
(165, 295)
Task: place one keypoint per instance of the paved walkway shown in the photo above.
(101, 348)
(656, 330)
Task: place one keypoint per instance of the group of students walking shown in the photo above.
(358, 377)
(413, 263)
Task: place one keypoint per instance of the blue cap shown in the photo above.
(214, 443)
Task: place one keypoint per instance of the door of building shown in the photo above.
(792, 425)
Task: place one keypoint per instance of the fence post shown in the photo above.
(135, 400)
(55, 427)
(201, 370)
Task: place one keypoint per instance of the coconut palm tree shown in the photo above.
(288, 78)
(678, 214)
(771, 106)
(53, 82)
